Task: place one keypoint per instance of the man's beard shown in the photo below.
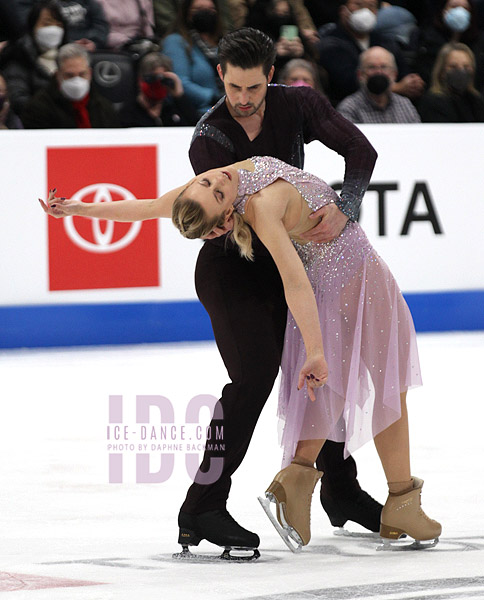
(247, 113)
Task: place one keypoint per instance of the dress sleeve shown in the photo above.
(322, 122)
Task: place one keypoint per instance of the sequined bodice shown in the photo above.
(268, 169)
(322, 261)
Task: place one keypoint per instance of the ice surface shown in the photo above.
(62, 524)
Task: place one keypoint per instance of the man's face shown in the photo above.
(246, 89)
(377, 61)
(74, 67)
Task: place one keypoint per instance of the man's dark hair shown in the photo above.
(247, 48)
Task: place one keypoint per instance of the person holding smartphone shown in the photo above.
(161, 99)
(277, 19)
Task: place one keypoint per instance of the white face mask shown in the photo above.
(362, 20)
(50, 37)
(75, 88)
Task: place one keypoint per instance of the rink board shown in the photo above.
(87, 283)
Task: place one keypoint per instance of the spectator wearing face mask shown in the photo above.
(452, 97)
(8, 119)
(69, 101)
(193, 51)
(342, 43)
(455, 21)
(28, 63)
(86, 23)
(299, 73)
(374, 102)
(161, 100)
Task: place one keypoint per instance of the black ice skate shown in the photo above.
(217, 527)
(358, 507)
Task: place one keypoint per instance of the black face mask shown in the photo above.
(3, 99)
(378, 84)
(204, 21)
(458, 80)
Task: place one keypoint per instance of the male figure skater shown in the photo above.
(244, 299)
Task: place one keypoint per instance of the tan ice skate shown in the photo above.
(402, 514)
(292, 490)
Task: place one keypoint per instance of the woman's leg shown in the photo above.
(307, 452)
(402, 513)
(393, 448)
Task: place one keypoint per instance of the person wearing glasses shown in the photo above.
(375, 102)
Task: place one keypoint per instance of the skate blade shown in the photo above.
(188, 556)
(287, 533)
(398, 546)
(342, 532)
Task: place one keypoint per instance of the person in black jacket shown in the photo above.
(69, 101)
(161, 100)
(29, 62)
(452, 97)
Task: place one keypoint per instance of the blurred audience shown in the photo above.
(455, 21)
(10, 24)
(166, 14)
(193, 51)
(161, 100)
(375, 102)
(8, 119)
(128, 20)
(270, 15)
(69, 101)
(85, 20)
(277, 19)
(341, 45)
(28, 63)
(452, 97)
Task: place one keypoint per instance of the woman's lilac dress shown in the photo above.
(368, 332)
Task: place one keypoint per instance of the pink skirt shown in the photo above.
(369, 344)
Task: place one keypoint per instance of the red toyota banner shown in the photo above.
(87, 253)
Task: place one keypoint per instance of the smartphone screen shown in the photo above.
(288, 32)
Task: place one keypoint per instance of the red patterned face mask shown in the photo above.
(155, 90)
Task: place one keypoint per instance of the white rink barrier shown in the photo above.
(81, 281)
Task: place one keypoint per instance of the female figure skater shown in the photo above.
(344, 307)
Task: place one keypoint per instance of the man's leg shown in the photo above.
(341, 495)
(245, 301)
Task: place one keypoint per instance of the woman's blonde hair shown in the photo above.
(438, 84)
(192, 222)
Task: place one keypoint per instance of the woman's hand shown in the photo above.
(59, 207)
(315, 373)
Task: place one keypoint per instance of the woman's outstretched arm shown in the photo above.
(122, 210)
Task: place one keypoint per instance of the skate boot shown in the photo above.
(217, 527)
(402, 514)
(292, 491)
(355, 505)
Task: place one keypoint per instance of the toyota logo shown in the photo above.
(103, 240)
(107, 73)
